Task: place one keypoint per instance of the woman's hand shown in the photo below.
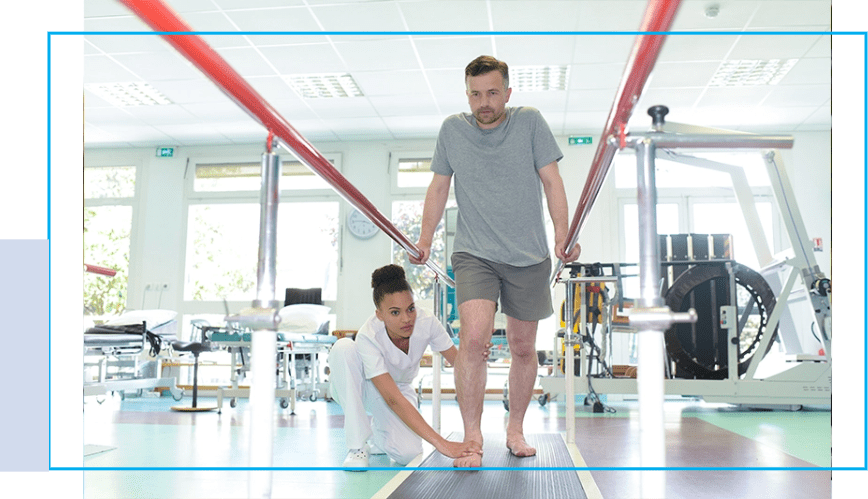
(455, 450)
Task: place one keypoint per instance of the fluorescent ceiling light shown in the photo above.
(315, 86)
(124, 94)
(539, 78)
(744, 73)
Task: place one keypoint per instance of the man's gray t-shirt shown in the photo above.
(497, 186)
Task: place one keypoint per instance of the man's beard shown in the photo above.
(493, 117)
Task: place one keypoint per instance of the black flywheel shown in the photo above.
(700, 350)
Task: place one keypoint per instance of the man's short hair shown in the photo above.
(486, 64)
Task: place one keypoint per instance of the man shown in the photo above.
(499, 157)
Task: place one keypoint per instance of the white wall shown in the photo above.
(158, 242)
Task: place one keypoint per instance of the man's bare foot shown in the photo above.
(519, 447)
(471, 461)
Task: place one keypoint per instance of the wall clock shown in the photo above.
(359, 225)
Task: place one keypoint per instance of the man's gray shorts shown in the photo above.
(524, 292)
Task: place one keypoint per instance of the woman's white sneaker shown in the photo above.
(357, 458)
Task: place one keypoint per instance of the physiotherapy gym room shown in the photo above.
(243, 182)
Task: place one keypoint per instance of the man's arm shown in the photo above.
(435, 203)
(556, 197)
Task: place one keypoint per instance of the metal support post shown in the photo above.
(436, 361)
(569, 364)
(264, 339)
(649, 376)
(651, 318)
(732, 320)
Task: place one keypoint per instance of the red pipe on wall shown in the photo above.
(162, 18)
(96, 269)
(646, 48)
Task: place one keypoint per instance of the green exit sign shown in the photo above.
(165, 152)
(576, 141)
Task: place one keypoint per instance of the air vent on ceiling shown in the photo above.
(131, 93)
(538, 78)
(316, 86)
(744, 73)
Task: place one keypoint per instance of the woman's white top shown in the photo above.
(379, 355)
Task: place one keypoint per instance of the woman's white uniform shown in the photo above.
(352, 364)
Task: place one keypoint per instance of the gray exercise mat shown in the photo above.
(500, 484)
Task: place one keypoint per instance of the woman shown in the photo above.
(375, 372)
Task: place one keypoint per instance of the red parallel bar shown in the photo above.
(646, 48)
(162, 18)
(95, 269)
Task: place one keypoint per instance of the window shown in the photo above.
(108, 215)
(698, 200)
(246, 176)
(223, 244)
(671, 174)
(710, 216)
(407, 217)
(223, 213)
(110, 182)
(411, 172)
(414, 172)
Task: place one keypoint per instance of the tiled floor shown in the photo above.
(145, 433)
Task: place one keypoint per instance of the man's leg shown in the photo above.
(477, 323)
(521, 336)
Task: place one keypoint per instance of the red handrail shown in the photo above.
(96, 269)
(162, 18)
(646, 48)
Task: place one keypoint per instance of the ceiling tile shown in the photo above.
(190, 91)
(611, 15)
(451, 53)
(157, 66)
(595, 76)
(381, 83)
(172, 114)
(772, 46)
(413, 81)
(792, 13)
(274, 19)
(682, 74)
(590, 49)
(809, 72)
(448, 83)
(446, 15)
(353, 107)
(102, 69)
(534, 50)
(218, 111)
(535, 15)
(120, 44)
(404, 105)
(304, 59)
(360, 17)
(247, 62)
(734, 96)
(369, 56)
(690, 47)
(798, 95)
(730, 15)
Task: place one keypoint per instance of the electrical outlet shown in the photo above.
(164, 286)
(727, 316)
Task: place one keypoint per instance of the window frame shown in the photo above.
(193, 197)
(122, 160)
(191, 194)
(685, 198)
